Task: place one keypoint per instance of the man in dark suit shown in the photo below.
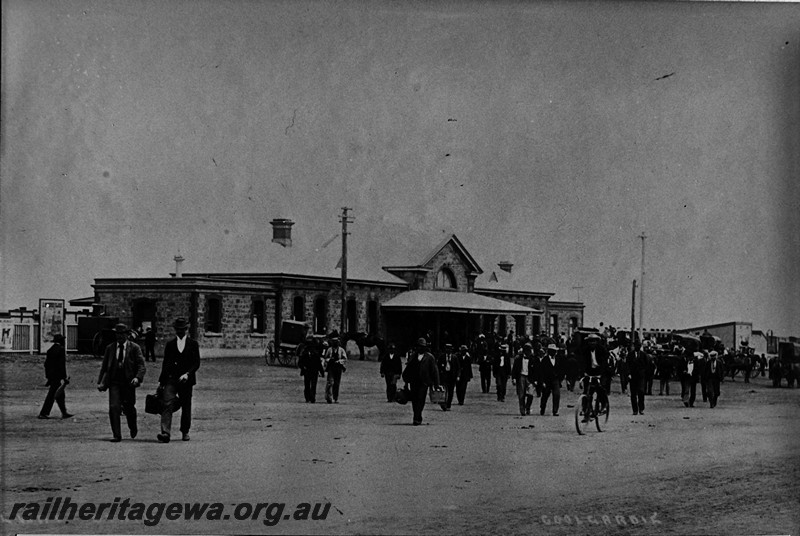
(55, 370)
(391, 369)
(449, 369)
(713, 373)
(464, 373)
(484, 363)
(420, 374)
(150, 345)
(501, 368)
(637, 370)
(311, 368)
(523, 375)
(177, 379)
(550, 374)
(121, 373)
(690, 373)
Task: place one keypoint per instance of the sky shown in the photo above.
(549, 134)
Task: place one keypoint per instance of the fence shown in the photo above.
(25, 338)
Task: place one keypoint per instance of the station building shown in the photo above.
(442, 293)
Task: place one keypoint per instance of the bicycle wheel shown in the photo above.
(601, 412)
(582, 421)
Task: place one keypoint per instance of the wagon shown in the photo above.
(290, 344)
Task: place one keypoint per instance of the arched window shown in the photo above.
(352, 316)
(299, 308)
(372, 317)
(257, 315)
(213, 322)
(320, 315)
(445, 279)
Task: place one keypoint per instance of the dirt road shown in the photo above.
(480, 468)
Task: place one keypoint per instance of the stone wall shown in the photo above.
(448, 257)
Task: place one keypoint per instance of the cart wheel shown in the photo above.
(285, 357)
(269, 353)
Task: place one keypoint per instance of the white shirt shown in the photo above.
(181, 344)
(524, 370)
(594, 359)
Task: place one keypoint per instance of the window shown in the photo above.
(537, 325)
(352, 316)
(445, 279)
(257, 316)
(320, 315)
(554, 326)
(372, 317)
(299, 308)
(213, 314)
(520, 325)
(573, 325)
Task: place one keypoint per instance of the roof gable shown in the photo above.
(452, 240)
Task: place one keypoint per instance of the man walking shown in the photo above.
(150, 345)
(637, 369)
(502, 370)
(121, 373)
(177, 379)
(448, 366)
(523, 375)
(484, 364)
(420, 374)
(712, 376)
(550, 374)
(391, 369)
(335, 363)
(311, 368)
(55, 370)
(464, 373)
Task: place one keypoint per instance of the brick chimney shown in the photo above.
(505, 266)
(282, 231)
(178, 261)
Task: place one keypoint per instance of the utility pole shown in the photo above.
(345, 219)
(633, 313)
(641, 294)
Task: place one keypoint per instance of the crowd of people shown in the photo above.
(537, 367)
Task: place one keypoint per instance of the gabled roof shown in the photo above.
(498, 280)
(472, 264)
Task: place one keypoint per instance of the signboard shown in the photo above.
(6, 334)
(51, 322)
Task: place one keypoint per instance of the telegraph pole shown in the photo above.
(633, 313)
(641, 294)
(345, 219)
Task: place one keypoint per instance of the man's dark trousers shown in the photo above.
(121, 399)
(184, 395)
(419, 391)
(51, 397)
(310, 385)
(637, 401)
(553, 387)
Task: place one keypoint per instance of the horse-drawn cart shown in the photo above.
(290, 344)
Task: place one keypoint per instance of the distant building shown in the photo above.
(447, 295)
(732, 334)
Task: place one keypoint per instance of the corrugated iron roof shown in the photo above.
(454, 302)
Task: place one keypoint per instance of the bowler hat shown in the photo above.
(58, 337)
(121, 328)
(422, 342)
(462, 347)
(552, 347)
(527, 345)
(593, 337)
(448, 345)
(180, 323)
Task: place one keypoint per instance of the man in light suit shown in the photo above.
(177, 379)
(121, 373)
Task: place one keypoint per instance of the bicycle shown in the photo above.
(591, 407)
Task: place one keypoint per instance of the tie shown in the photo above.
(121, 354)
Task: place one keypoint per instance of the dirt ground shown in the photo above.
(480, 468)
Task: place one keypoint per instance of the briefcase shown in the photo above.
(402, 396)
(153, 404)
(437, 397)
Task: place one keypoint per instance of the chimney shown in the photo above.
(505, 266)
(282, 231)
(178, 260)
